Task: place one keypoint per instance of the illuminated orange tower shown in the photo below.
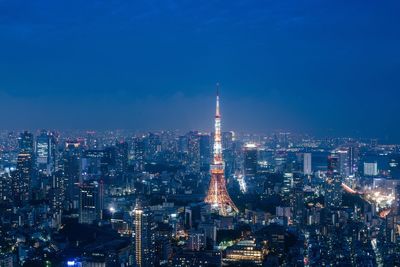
(217, 195)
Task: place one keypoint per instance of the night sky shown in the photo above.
(323, 67)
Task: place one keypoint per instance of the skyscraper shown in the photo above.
(139, 153)
(144, 238)
(153, 146)
(193, 151)
(353, 159)
(71, 168)
(90, 202)
(25, 142)
(23, 177)
(205, 151)
(333, 183)
(307, 169)
(250, 160)
(45, 152)
(217, 195)
(344, 162)
(121, 156)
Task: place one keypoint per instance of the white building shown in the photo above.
(307, 169)
(370, 169)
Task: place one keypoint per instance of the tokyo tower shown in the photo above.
(217, 195)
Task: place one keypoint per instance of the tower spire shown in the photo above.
(217, 112)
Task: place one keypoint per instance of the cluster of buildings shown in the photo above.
(120, 198)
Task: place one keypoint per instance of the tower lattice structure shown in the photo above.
(217, 195)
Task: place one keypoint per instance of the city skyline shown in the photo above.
(298, 66)
(115, 198)
(176, 133)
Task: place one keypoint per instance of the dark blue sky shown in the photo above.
(318, 66)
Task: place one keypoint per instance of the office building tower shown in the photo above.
(250, 160)
(333, 183)
(121, 156)
(343, 162)
(333, 193)
(153, 146)
(307, 167)
(109, 160)
(287, 186)
(193, 151)
(139, 153)
(144, 235)
(26, 142)
(90, 202)
(371, 168)
(205, 151)
(45, 150)
(297, 199)
(333, 164)
(23, 177)
(353, 159)
(227, 139)
(72, 175)
(196, 240)
(57, 191)
(93, 166)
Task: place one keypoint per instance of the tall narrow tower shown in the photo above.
(144, 235)
(217, 195)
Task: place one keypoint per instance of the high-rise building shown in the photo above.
(196, 241)
(287, 186)
(333, 164)
(217, 195)
(139, 153)
(353, 159)
(26, 142)
(144, 235)
(205, 151)
(250, 160)
(153, 146)
(370, 168)
(23, 177)
(333, 183)
(227, 139)
(307, 167)
(45, 150)
(121, 157)
(193, 151)
(92, 165)
(90, 202)
(343, 162)
(298, 199)
(57, 191)
(71, 168)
